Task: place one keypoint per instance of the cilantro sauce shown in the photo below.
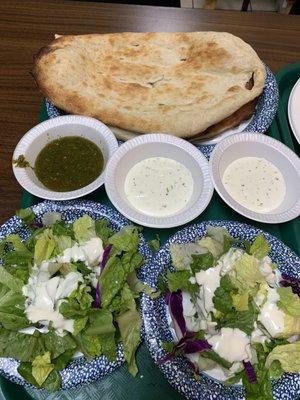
(158, 186)
(255, 183)
(68, 163)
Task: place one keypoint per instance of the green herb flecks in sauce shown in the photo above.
(69, 163)
(21, 162)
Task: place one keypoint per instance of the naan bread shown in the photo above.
(186, 84)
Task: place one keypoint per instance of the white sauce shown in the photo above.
(231, 344)
(255, 183)
(159, 186)
(210, 281)
(271, 316)
(227, 261)
(45, 294)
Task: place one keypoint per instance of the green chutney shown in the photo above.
(68, 163)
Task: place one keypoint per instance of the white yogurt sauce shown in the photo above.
(45, 294)
(159, 186)
(231, 344)
(210, 281)
(271, 316)
(255, 183)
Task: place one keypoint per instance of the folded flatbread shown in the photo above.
(190, 85)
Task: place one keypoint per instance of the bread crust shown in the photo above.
(189, 85)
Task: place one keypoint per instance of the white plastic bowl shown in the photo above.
(70, 125)
(259, 145)
(159, 145)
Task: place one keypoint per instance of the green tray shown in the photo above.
(150, 383)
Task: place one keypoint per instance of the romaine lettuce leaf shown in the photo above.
(245, 273)
(123, 301)
(260, 247)
(126, 240)
(103, 231)
(21, 346)
(12, 321)
(111, 280)
(63, 242)
(180, 280)
(130, 328)
(100, 322)
(137, 286)
(44, 247)
(17, 243)
(201, 262)
(108, 345)
(84, 228)
(288, 355)
(26, 214)
(57, 345)
(79, 325)
(78, 303)
(240, 300)
(217, 241)
(41, 367)
(10, 281)
(223, 295)
(289, 302)
(244, 320)
(155, 243)
(181, 254)
(90, 346)
(131, 261)
(61, 228)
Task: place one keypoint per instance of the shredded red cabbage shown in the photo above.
(186, 345)
(106, 253)
(35, 224)
(251, 374)
(176, 310)
(294, 283)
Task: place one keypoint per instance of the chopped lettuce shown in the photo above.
(260, 247)
(96, 331)
(41, 368)
(240, 300)
(130, 324)
(289, 302)
(245, 272)
(180, 280)
(217, 241)
(288, 355)
(201, 262)
(84, 229)
(26, 215)
(181, 254)
(103, 231)
(44, 247)
(155, 243)
(222, 299)
(126, 240)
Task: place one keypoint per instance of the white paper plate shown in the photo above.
(69, 125)
(259, 145)
(294, 110)
(158, 145)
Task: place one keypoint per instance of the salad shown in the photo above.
(69, 289)
(236, 317)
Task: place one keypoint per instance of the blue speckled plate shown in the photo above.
(79, 371)
(265, 112)
(156, 317)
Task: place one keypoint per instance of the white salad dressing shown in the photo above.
(159, 186)
(210, 281)
(255, 183)
(271, 316)
(226, 262)
(45, 294)
(231, 344)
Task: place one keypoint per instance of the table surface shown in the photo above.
(27, 25)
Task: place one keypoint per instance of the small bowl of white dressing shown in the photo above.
(257, 176)
(159, 181)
